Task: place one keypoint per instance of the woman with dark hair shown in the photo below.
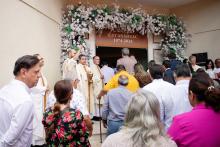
(200, 127)
(64, 126)
(141, 75)
(209, 66)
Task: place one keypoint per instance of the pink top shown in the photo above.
(198, 128)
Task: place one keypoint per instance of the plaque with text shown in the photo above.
(118, 39)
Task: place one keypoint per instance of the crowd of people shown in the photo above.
(171, 104)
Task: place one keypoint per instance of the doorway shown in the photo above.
(111, 54)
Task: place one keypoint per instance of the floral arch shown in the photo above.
(77, 20)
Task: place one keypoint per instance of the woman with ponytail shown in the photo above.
(201, 126)
(63, 125)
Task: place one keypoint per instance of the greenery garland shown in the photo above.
(77, 20)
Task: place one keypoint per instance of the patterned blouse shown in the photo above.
(65, 130)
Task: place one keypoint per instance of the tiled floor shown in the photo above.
(95, 139)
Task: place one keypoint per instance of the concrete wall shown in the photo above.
(29, 27)
(203, 23)
(151, 9)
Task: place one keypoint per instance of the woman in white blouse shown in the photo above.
(142, 125)
(209, 65)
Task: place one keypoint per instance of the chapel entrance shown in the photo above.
(111, 54)
(109, 44)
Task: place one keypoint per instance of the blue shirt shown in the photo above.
(115, 103)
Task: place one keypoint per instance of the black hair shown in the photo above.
(199, 70)
(202, 86)
(27, 62)
(104, 62)
(156, 71)
(207, 63)
(94, 57)
(183, 70)
(166, 63)
(120, 67)
(185, 61)
(81, 55)
(172, 55)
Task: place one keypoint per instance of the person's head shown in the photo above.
(105, 63)
(82, 59)
(71, 53)
(138, 68)
(200, 70)
(192, 60)
(125, 52)
(123, 80)
(201, 90)
(27, 69)
(166, 64)
(151, 63)
(209, 64)
(96, 60)
(143, 117)
(156, 71)
(40, 58)
(120, 68)
(182, 71)
(185, 61)
(172, 55)
(217, 63)
(63, 91)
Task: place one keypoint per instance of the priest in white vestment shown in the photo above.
(98, 83)
(39, 96)
(16, 105)
(85, 82)
(69, 65)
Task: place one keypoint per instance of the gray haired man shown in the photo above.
(113, 112)
(127, 60)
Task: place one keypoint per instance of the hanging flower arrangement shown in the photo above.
(77, 20)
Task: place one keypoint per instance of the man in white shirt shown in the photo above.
(179, 93)
(78, 102)
(38, 94)
(17, 109)
(162, 91)
(107, 72)
(192, 60)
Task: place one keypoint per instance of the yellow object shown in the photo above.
(133, 84)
